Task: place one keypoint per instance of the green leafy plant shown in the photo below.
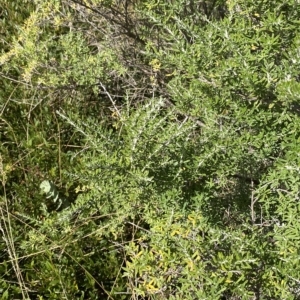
(170, 129)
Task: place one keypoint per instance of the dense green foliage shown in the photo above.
(172, 130)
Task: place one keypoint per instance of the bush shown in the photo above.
(171, 130)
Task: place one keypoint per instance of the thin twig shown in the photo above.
(110, 98)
